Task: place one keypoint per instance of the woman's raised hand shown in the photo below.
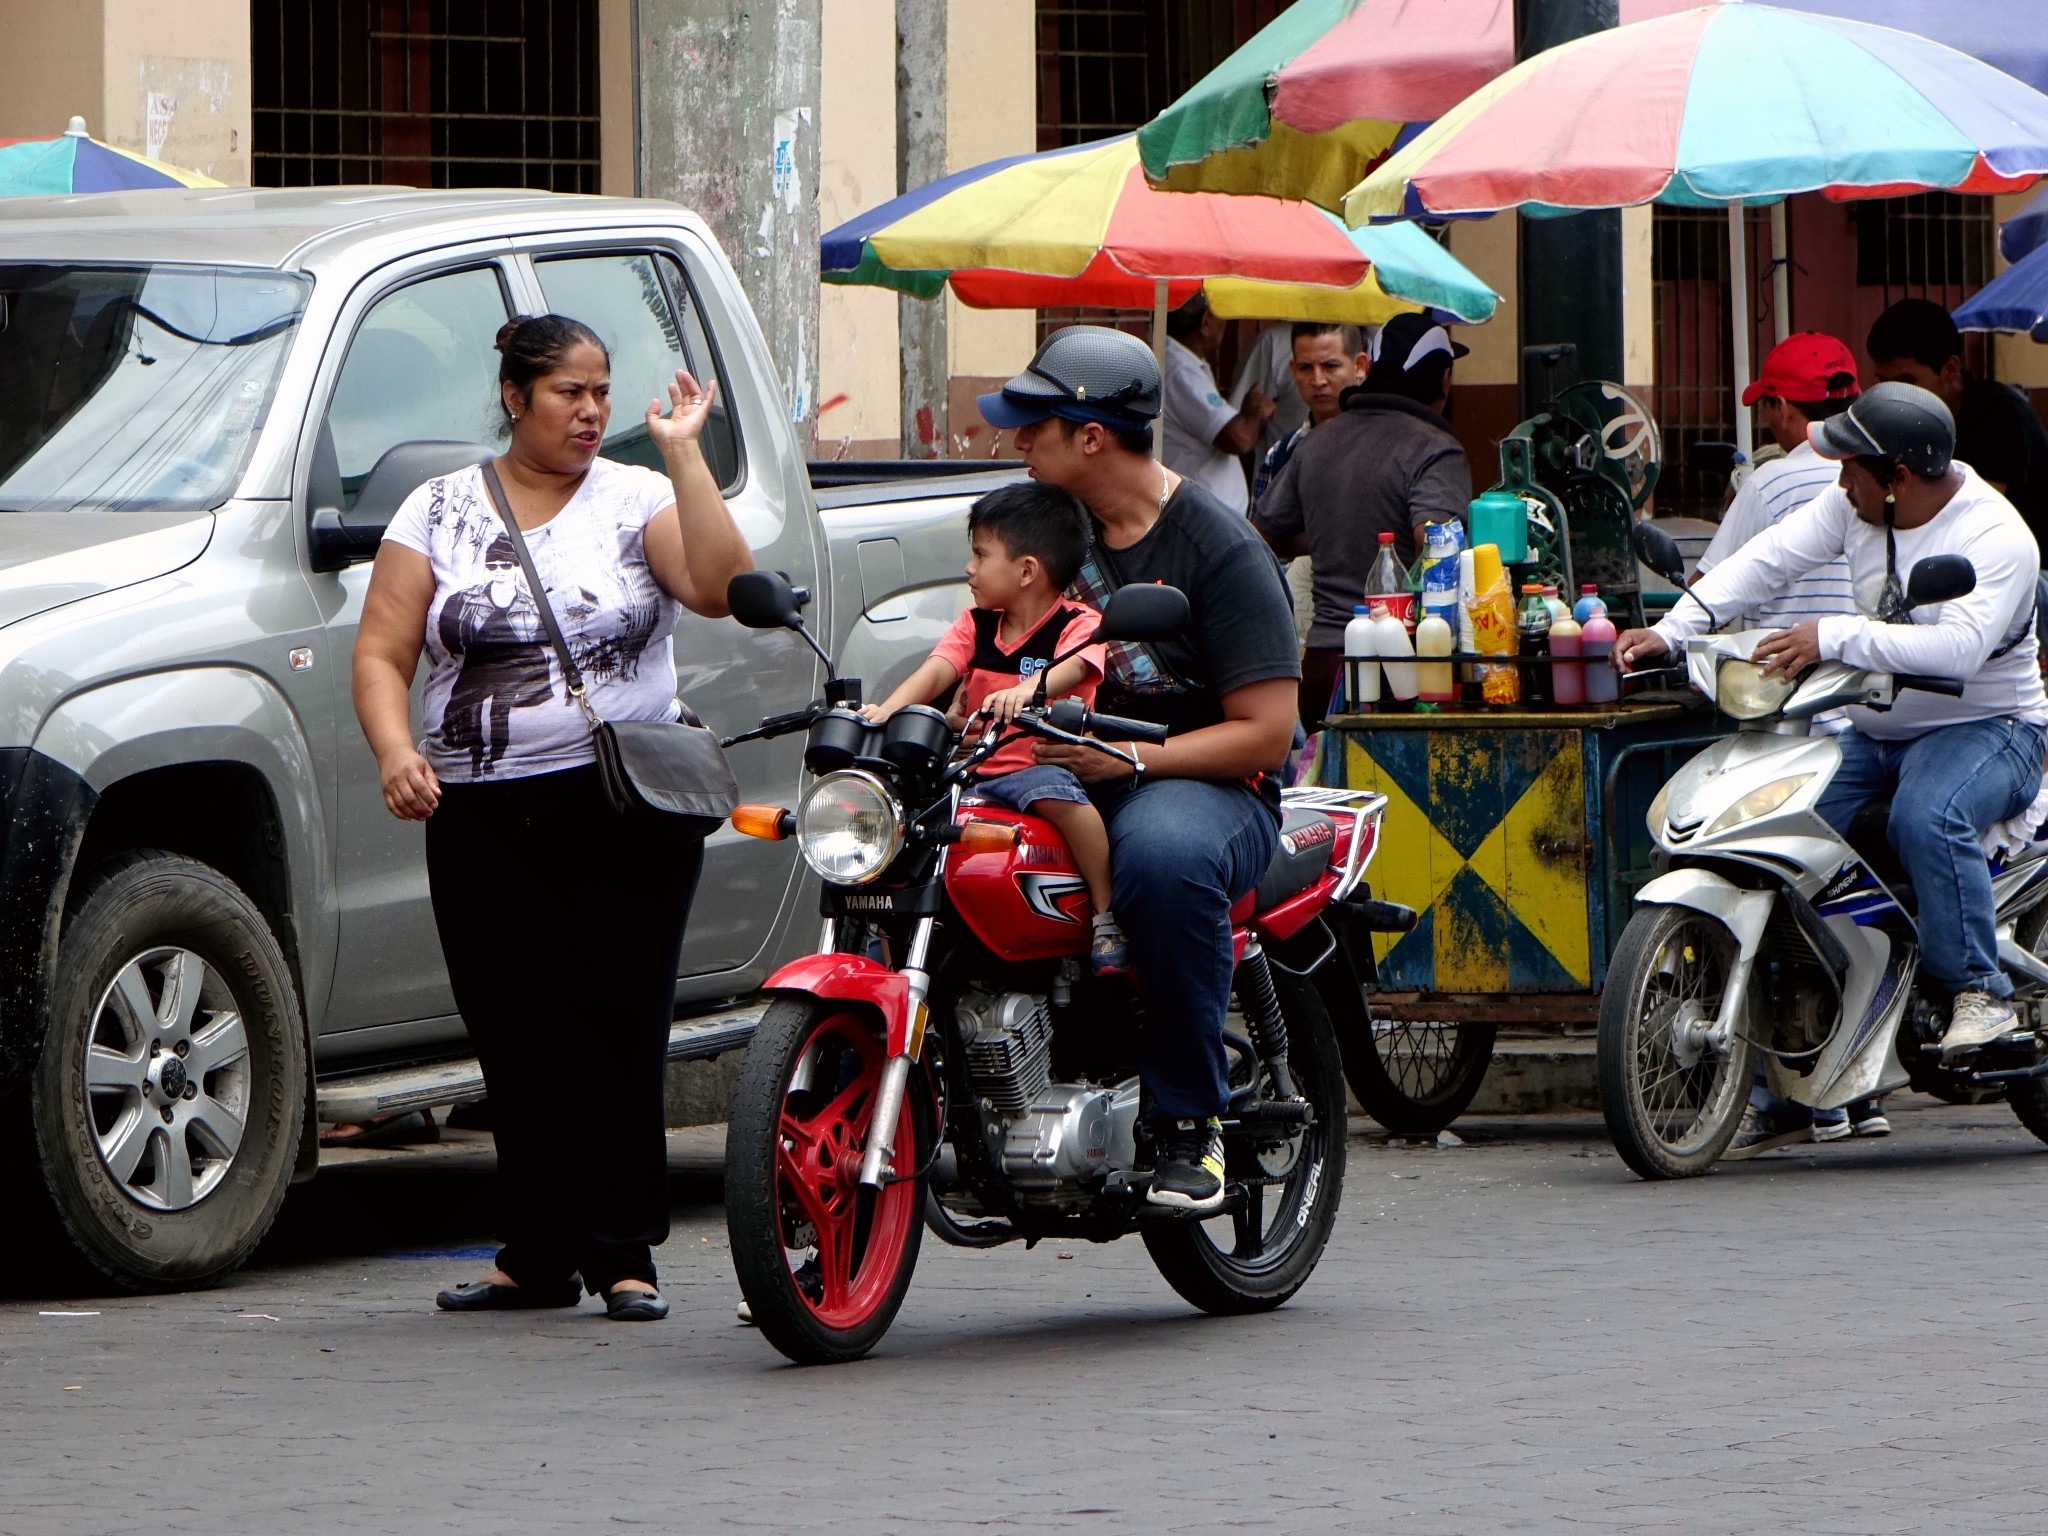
(689, 408)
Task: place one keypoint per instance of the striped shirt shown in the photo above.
(1774, 490)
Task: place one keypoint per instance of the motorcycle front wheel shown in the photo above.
(1671, 1105)
(823, 1263)
(1254, 1259)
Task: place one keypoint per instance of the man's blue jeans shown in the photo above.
(1180, 852)
(1947, 788)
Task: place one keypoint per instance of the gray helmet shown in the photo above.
(1082, 373)
(1891, 421)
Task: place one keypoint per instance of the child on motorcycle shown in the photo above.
(1028, 541)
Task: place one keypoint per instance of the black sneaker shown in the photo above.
(1760, 1133)
(1189, 1172)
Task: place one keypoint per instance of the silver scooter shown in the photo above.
(1767, 932)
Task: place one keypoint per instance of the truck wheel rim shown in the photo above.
(845, 1257)
(167, 1079)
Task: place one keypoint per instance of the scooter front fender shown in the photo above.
(852, 979)
(1742, 913)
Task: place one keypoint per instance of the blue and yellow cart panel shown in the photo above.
(1519, 838)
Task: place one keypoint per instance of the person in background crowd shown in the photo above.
(1325, 360)
(1202, 435)
(1387, 461)
(1807, 377)
(1998, 433)
(1269, 363)
(561, 919)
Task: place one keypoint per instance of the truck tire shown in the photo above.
(168, 1099)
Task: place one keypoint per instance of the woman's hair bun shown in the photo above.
(506, 332)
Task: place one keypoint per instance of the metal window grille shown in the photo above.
(1109, 66)
(1936, 245)
(426, 93)
(1695, 396)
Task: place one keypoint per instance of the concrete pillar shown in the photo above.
(1571, 267)
(921, 160)
(728, 111)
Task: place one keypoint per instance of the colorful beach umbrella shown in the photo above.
(1080, 226)
(1323, 92)
(1728, 104)
(2015, 301)
(75, 162)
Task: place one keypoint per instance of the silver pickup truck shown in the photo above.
(212, 934)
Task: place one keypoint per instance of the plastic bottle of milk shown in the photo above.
(1595, 642)
(1390, 638)
(1433, 680)
(1361, 678)
(1567, 679)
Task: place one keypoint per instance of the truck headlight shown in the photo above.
(1742, 691)
(849, 828)
(1759, 802)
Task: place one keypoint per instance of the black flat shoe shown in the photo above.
(488, 1296)
(635, 1306)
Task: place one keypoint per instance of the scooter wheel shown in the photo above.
(1671, 1105)
(824, 1264)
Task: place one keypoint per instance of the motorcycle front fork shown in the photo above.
(877, 1161)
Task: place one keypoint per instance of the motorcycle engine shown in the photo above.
(1041, 1133)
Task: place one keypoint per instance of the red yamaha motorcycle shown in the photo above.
(947, 1059)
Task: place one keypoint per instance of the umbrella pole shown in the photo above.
(1781, 271)
(1738, 313)
(1159, 359)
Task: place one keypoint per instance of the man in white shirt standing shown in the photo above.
(1201, 434)
(1950, 768)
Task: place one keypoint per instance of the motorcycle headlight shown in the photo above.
(1742, 690)
(849, 828)
(1758, 802)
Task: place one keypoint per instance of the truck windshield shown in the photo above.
(136, 387)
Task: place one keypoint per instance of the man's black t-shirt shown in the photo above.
(1999, 435)
(1243, 630)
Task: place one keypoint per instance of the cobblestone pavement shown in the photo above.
(1511, 1335)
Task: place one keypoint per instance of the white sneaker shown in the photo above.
(744, 1313)
(1977, 1018)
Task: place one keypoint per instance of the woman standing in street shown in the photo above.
(560, 919)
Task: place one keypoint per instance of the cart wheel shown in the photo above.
(1415, 1079)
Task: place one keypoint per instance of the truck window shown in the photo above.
(421, 368)
(640, 304)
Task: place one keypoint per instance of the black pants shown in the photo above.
(562, 924)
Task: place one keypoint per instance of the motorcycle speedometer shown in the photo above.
(1743, 692)
(849, 828)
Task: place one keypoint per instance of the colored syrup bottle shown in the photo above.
(1433, 680)
(1567, 678)
(1533, 644)
(1595, 642)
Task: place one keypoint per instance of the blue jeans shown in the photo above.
(1180, 852)
(1947, 789)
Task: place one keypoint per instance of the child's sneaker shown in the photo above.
(1107, 955)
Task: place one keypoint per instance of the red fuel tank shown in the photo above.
(1025, 903)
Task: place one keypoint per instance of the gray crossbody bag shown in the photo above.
(675, 767)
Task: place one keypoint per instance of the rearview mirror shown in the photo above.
(1155, 612)
(1659, 551)
(1940, 579)
(766, 600)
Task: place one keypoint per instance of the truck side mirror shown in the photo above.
(1940, 579)
(333, 545)
(1659, 551)
(1145, 612)
(766, 600)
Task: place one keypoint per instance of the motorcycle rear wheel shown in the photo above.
(823, 1265)
(1668, 1119)
(1415, 1079)
(1259, 1257)
(2029, 1095)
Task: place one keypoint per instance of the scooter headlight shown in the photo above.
(1759, 802)
(1742, 690)
(849, 828)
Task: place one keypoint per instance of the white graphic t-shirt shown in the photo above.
(496, 706)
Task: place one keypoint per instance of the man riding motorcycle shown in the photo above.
(1195, 827)
(1951, 768)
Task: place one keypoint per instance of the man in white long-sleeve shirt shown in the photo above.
(1951, 768)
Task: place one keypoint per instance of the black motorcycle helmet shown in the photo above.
(1902, 423)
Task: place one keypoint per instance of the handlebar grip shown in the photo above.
(1071, 716)
(1950, 686)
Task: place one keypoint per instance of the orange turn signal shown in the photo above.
(767, 821)
(986, 837)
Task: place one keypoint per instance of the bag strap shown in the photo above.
(571, 673)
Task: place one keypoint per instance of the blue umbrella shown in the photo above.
(2015, 301)
(2026, 230)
